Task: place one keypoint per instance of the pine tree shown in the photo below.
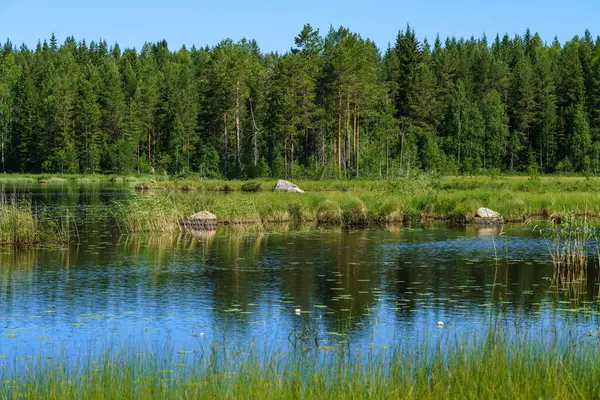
(23, 128)
(496, 131)
(580, 140)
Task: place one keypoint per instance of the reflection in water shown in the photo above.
(315, 287)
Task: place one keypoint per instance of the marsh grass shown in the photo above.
(21, 225)
(568, 241)
(500, 365)
(61, 178)
(350, 203)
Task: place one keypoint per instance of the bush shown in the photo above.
(329, 213)
(252, 187)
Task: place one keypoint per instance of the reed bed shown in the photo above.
(502, 365)
(21, 225)
(159, 210)
(569, 239)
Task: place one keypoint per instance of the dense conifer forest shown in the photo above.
(332, 106)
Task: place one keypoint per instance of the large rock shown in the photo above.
(285, 186)
(202, 220)
(485, 216)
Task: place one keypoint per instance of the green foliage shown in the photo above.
(533, 169)
(119, 157)
(331, 107)
(564, 166)
(251, 187)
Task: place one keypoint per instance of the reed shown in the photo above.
(568, 241)
(161, 201)
(21, 225)
(499, 365)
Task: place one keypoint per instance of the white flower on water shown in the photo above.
(298, 311)
(440, 324)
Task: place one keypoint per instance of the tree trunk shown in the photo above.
(333, 143)
(355, 143)
(387, 155)
(237, 127)
(270, 147)
(357, 124)
(285, 157)
(347, 144)
(226, 144)
(149, 157)
(254, 135)
(387, 141)
(339, 139)
(402, 146)
(3, 167)
(290, 145)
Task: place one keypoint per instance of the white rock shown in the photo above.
(203, 216)
(286, 186)
(487, 213)
(202, 220)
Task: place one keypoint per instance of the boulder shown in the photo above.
(485, 216)
(202, 220)
(285, 186)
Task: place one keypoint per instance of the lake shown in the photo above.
(308, 287)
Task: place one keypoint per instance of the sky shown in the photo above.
(274, 24)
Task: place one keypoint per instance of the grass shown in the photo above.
(21, 226)
(163, 200)
(569, 240)
(363, 202)
(498, 366)
(161, 211)
(61, 178)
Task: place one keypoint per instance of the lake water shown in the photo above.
(309, 287)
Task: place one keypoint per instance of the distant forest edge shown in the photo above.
(332, 106)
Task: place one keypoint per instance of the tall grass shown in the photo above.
(568, 240)
(360, 202)
(501, 365)
(21, 226)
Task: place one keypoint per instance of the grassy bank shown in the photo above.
(62, 178)
(161, 201)
(541, 184)
(365, 202)
(495, 367)
(21, 226)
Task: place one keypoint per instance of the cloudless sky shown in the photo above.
(274, 24)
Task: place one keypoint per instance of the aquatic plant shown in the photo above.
(567, 241)
(497, 366)
(21, 225)
(329, 213)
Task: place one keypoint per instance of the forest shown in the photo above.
(333, 106)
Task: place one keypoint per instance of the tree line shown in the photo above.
(332, 106)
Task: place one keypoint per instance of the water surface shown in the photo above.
(310, 288)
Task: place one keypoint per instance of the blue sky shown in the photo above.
(275, 23)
